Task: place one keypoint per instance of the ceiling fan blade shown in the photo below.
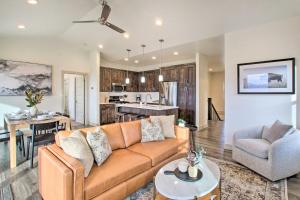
(105, 12)
(87, 21)
(114, 27)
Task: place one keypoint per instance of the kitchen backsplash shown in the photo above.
(131, 96)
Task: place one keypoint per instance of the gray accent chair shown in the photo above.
(274, 161)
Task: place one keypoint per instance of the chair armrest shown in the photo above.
(76, 168)
(285, 152)
(249, 133)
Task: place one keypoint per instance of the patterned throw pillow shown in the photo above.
(76, 146)
(151, 130)
(167, 125)
(100, 146)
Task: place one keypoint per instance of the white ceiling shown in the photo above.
(186, 23)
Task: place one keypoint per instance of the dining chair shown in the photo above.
(42, 134)
(5, 137)
(62, 126)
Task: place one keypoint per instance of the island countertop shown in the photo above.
(147, 107)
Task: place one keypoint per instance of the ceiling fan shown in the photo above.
(103, 19)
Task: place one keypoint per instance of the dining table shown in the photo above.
(12, 125)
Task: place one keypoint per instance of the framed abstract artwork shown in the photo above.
(16, 77)
(267, 77)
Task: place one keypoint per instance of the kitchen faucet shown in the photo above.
(146, 99)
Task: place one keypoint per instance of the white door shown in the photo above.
(79, 99)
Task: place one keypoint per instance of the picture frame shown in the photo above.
(17, 76)
(266, 77)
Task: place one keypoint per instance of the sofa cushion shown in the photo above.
(157, 151)
(256, 147)
(113, 133)
(119, 167)
(131, 132)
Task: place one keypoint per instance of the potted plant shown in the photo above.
(33, 98)
(181, 122)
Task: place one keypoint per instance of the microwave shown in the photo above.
(116, 87)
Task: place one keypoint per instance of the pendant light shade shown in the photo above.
(143, 79)
(161, 77)
(127, 80)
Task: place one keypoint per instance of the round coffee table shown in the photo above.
(171, 187)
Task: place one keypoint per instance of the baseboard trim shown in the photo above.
(93, 124)
(228, 147)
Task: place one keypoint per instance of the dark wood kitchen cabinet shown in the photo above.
(118, 76)
(133, 86)
(105, 79)
(107, 113)
(151, 84)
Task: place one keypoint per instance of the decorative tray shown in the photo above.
(184, 176)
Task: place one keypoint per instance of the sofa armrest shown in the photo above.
(249, 133)
(55, 178)
(182, 133)
(285, 153)
(76, 168)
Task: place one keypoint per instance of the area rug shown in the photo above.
(237, 183)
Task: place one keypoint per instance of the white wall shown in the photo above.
(202, 90)
(94, 88)
(60, 55)
(216, 90)
(275, 40)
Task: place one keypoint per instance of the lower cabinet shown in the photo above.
(107, 113)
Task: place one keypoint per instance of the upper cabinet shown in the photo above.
(105, 79)
(151, 84)
(118, 76)
(133, 86)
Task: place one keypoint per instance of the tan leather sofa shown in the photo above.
(131, 165)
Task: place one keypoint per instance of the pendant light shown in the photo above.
(143, 79)
(127, 80)
(160, 77)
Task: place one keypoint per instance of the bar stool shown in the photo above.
(131, 116)
(119, 117)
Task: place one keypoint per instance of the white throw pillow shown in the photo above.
(151, 130)
(76, 146)
(167, 124)
(99, 144)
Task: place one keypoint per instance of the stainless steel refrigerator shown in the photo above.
(169, 94)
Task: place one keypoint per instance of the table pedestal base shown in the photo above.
(214, 195)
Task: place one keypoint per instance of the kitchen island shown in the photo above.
(147, 110)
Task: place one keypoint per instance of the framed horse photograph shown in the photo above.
(267, 77)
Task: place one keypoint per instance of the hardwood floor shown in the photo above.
(22, 181)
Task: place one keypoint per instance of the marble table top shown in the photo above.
(171, 187)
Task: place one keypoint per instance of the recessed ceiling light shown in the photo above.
(153, 58)
(126, 35)
(175, 53)
(100, 46)
(210, 69)
(136, 61)
(21, 26)
(126, 59)
(33, 2)
(158, 22)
